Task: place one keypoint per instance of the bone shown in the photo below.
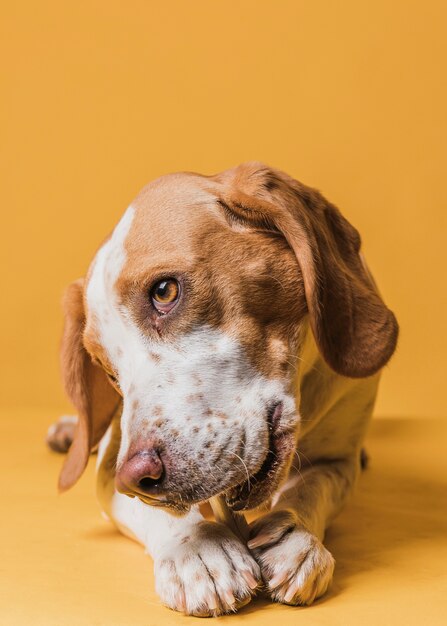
(234, 521)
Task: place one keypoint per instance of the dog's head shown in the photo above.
(192, 314)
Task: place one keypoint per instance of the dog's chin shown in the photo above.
(174, 506)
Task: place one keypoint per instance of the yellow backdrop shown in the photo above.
(99, 97)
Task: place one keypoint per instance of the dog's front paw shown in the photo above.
(206, 573)
(295, 565)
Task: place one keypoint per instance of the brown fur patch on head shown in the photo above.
(355, 331)
(244, 281)
(254, 251)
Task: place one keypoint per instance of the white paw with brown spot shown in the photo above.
(296, 567)
(61, 434)
(206, 573)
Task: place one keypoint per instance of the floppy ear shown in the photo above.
(87, 386)
(354, 330)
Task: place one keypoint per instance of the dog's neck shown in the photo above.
(317, 386)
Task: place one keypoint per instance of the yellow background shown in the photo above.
(97, 98)
(100, 97)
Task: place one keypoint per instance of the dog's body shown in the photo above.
(234, 351)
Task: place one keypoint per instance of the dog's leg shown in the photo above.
(60, 435)
(287, 542)
(201, 567)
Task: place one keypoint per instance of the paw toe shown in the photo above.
(295, 565)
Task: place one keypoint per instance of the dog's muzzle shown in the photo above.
(147, 473)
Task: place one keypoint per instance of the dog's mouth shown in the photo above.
(259, 487)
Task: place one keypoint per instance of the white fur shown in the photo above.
(204, 371)
(296, 566)
(199, 567)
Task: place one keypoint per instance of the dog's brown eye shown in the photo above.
(164, 294)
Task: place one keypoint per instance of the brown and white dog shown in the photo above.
(227, 339)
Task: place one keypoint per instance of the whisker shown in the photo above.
(298, 469)
(306, 458)
(245, 466)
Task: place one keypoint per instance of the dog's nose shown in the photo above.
(141, 473)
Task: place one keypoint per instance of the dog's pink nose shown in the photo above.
(141, 473)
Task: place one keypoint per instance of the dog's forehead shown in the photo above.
(169, 211)
(160, 230)
(170, 194)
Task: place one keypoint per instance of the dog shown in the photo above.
(227, 340)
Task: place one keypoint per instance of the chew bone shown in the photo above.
(236, 522)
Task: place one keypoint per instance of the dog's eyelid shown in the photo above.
(248, 217)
